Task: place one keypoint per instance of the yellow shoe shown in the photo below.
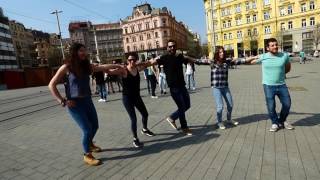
(90, 160)
(94, 148)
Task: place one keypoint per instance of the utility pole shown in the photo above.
(56, 12)
(96, 43)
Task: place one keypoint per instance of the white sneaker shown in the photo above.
(221, 125)
(193, 89)
(274, 128)
(154, 97)
(233, 122)
(101, 100)
(288, 126)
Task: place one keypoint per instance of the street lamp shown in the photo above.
(56, 12)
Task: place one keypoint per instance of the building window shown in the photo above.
(225, 37)
(132, 29)
(238, 21)
(290, 9)
(229, 23)
(142, 47)
(312, 21)
(239, 34)
(267, 30)
(164, 22)
(216, 37)
(148, 36)
(157, 44)
(128, 48)
(247, 6)
(303, 23)
(248, 19)
(135, 48)
(254, 18)
(149, 46)
(266, 2)
(255, 31)
(266, 15)
(290, 25)
(254, 5)
(147, 25)
(283, 26)
(249, 32)
(155, 24)
(307, 35)
(165, 33)
(230, 35)
(127, 40)
(139, 27)
(224, 24)
(311, 5)
(238, 8)
(134, 39)
(141, 37)
(126, 30)
(282, 11)
(156, 35)
(303, 7)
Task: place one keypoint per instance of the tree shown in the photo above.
(316, 36)
(205, 51)
(54, 57)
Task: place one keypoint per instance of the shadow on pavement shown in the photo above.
(175, 141)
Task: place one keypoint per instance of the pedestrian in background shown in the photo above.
(76, 72)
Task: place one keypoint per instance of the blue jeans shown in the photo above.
(103, 91)
(162, 82)
(220, 94)
(131, 102)
(85, 115)
(182, 99)
(190, 81)
(271, 91)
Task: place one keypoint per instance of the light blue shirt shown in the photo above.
(273, 68)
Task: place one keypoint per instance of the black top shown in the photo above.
(99, 77)
(173, 69)
(131, 84)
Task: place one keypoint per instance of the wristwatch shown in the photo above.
(63, 102)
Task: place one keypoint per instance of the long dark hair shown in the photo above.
(216, 57)
(75, 65)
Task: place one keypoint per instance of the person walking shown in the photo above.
(275, 65)
(131, 97)
(153, 80)
(191, 84)
(76, 72)
(101, 83)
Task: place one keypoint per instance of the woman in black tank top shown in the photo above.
(131, 95)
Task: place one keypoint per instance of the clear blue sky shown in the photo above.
(36, 13)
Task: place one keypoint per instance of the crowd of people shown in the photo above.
(167, 71)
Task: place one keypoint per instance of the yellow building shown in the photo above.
(242, 26)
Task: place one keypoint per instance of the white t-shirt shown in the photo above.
(189, 69)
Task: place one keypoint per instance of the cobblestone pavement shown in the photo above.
(38, 140)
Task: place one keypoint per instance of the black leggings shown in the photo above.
(153, 82)
(131, 102)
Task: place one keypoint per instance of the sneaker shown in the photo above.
(90, 160)
(288, 125)
(147, 132)
(221, 125)
(164, 92)
(193, 89)
(95, 148)
(136, 143)
(154, 97)
(172, 123)
(161, 92)
(101, 100)
(233, 122)
(187, 131)
(274, 128)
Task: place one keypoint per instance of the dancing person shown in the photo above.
(76, 73)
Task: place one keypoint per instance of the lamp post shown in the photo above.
(56, 12)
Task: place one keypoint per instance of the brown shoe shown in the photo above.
(172, 123)
(94, 148)
(90, 160)
(187, 131)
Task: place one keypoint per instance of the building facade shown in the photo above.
(242, 26)
(42, 44)
(23, 44)
(109, 42)
(8, 58)
(148, 29)
(80, 33)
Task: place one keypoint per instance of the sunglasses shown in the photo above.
(173, 46)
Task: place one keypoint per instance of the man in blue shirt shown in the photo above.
(275, 65)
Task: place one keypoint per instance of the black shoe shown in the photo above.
(147, 132)
(136, 143)
(161, 92)
(164, 92)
